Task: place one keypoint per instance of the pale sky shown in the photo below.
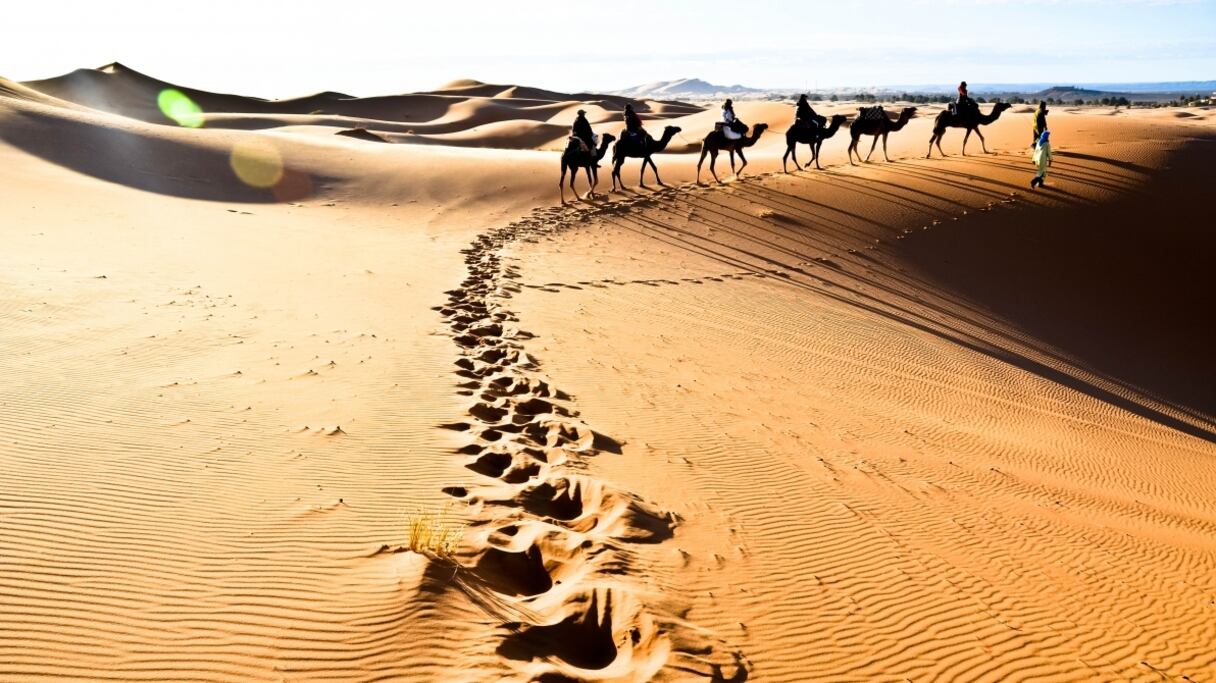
(372, 47)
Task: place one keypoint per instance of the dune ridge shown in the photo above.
(459, 107)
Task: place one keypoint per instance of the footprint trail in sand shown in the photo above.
(553, 558)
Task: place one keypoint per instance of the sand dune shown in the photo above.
(459, 107)
(891, 421)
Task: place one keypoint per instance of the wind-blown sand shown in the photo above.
(878, 422)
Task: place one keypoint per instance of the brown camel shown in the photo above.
(575, 158)
(808, 135)
(971, 119)
(633, 146)
(716, 142)
(878, 127)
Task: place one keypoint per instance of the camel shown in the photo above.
(971, 119)
(575, 158)
(630, 146)
(716, 142)
(876, 127)
(807, 135)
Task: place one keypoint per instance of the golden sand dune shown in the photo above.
(459, 107)
(906, 420)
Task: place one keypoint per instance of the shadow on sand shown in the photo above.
(148, 162)
(1112, 300)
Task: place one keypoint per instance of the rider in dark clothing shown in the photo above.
(633, 123)
(582, 130)
(805, 115)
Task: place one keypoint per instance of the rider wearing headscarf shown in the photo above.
(582, 130)
(729, 118)
(805, 115)
(633, 122)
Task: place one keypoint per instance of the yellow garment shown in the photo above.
(1042, 157)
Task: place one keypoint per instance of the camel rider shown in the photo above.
(730, 122)
(633, 123)
(806, 116)
(582, 131)
(964, 103)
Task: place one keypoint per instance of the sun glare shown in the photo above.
(175, 105)
(257, 164)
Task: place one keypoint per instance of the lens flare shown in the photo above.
(181, 109)
(256, 163)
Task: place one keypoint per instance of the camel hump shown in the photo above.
(872, 113)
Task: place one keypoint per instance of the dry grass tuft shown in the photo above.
(433, 534)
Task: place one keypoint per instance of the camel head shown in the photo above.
(671, 129)
(760, 128)
(608, 138)
(908, 112)
(838, 120)
(1001, 106)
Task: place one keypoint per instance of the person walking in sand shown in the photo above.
(1040, 122)
(1042, 159)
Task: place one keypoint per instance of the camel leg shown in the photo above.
(983, 143)
(700, 161)
(939, 144)
(965, 137)
(616, 173)
(815, 150)
(875, 144)
(590, 184)
(732, 161)
(852, 149)
(713, 160)
(884, 147)
(932, 139)
(789, 150)
(561, 183)
(654, 168)
(743, 166)
(642, 177)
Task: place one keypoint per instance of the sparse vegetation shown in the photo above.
(433, 534)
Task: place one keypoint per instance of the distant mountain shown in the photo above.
(1156, 88)
(686, 88)
(1070, 93)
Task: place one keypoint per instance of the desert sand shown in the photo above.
(888, 421)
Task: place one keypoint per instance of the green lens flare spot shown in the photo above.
(181, 109)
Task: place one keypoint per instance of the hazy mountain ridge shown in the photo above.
(696, 89)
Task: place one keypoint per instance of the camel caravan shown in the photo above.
(584, 149)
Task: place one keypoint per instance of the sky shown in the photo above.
(372, 47)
